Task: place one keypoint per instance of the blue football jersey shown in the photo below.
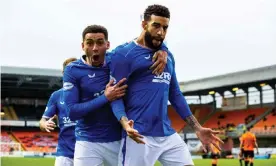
(83, 90)
(66, 138)
(148, 94)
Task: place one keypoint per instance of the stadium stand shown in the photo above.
(25, 92)
(199, 111)
(267, 125)
(37, 141)
(10, 113)
(268, 121)
(28, 112)
(230, 119)
(6, 138)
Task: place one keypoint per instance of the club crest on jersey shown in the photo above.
(164, 77)
(67, 85)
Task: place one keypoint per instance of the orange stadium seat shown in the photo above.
(5, 138)
(223, 118)
(198, 111)
(176, 120)
(267, 125)
(37, 141)
(269, 121)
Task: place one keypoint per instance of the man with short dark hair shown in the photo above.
(88, 90)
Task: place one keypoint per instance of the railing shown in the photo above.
(264, 131)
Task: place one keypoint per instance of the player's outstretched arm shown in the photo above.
(206, 135)
(176, 97)
(120, 68)
(78, 110)
(118, 109)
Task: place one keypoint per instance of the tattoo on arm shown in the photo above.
(193, 123)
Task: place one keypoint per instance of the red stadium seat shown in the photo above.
(221, 118)
(37, 141)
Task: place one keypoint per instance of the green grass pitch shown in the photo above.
(14, 161)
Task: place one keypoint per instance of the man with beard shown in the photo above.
(147, 97)
(87, 92)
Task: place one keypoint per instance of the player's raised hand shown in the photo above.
(50, 124)
(113, 92)
(207, 137)
(160, 62)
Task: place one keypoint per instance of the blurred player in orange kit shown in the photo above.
(249, 142)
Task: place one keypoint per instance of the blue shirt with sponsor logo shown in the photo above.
(66, 138)
(148, 94)
(83, 91)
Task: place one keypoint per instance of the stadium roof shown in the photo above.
(231, 79)
(29, 82)
(30, 71)
(20, 78)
